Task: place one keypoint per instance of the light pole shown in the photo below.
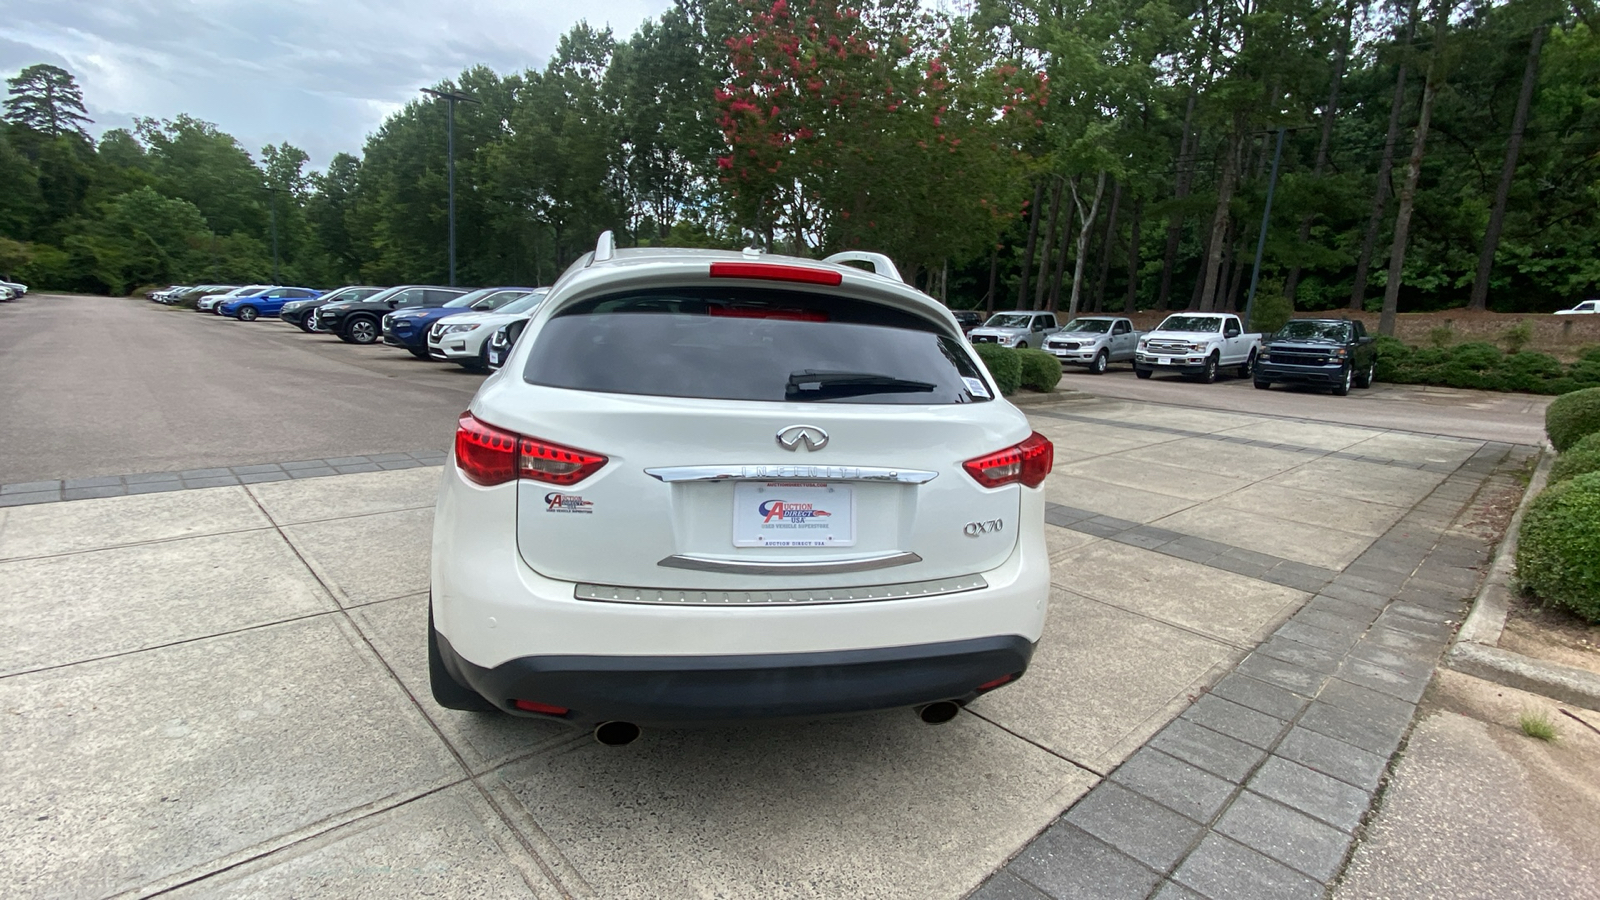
(452, 98)
(1261, 242)
(273, 207)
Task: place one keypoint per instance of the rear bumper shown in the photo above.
(711, 690)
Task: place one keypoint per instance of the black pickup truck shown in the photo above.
(1330, 353)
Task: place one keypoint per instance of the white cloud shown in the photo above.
(321, 75)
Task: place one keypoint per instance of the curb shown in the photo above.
(1475, 651)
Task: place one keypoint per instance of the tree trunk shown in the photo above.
(1043, 281)
(1181, 190)
(1107, 245)
(1129, 302)
(1508, 173)
(1408, 191)
(1027, 253)
(1219, 219)
(1088, 218)
(1291, 283)
(1061, 259)
(1380, 194)
(994, 279)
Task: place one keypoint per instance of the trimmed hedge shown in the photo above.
(1571, 417)
(1003, 364)
(1040, 371)
(1580, 459)
(1485, 367)
(1558, 550)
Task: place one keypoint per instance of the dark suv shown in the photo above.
(1330, 353)
(358, 321)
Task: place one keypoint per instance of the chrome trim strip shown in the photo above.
(602, 593)
(739, 567)
(790, 472)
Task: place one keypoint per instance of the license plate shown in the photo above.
(1059, 352)
(1164, 360)
(793, 514)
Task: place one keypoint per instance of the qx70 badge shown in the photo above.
(811, 436)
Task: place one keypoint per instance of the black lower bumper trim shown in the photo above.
(712, 690)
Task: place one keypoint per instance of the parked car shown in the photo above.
(968, 319)
(408, 328)
(210, 302)
(1094, 341)
(499, 344)
(1587, 307)
(637, 527)
(7, 294)
(266, 303)
(298, 312)
(358, 321)
(17, 288)
(164, 295)
(1021, 329)
(1197, 344)
(464, 337)
(195, 294)
(1331, 353)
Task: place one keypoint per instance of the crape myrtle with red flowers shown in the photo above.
(875, 126)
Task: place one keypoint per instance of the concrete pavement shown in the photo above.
(223, 691)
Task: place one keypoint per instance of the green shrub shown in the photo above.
(1571, 417)
(1477, 356)
(1530, 371)
(1558, 550)
(1271, 309)
(1004, 364)
(1579, 459)
(1040, 371)
(1394, 359)
(1517, 337)
(1441, 336)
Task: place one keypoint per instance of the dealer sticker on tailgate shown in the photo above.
(793, 514)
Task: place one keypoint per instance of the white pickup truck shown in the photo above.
(1198, 344)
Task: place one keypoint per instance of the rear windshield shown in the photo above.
(740, 343)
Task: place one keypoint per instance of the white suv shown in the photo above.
(709, 486)
(464, 337)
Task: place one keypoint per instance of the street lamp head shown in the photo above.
(452, 96)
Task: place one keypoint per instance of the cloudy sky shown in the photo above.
(320, 75)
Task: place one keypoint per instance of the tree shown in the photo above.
(48, 100)
(1508, 171)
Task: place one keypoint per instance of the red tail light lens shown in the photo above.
(488, 456)
(537, 707)
(1026, 463)
(484, 453)
(770, 272)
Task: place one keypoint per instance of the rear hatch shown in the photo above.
(756, 439)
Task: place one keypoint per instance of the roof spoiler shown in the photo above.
(881, 265)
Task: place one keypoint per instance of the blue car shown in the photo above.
(408, 328)
(266, 302)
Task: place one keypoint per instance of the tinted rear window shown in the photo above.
(752, 344)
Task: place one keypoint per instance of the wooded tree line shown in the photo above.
(1071, 154)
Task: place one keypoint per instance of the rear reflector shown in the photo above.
(535, 706)
(488, 456)
(991, 685)
(770, 272)
(1026, 463)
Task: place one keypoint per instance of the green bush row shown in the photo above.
(1035, 370)
(1485, 367)
(1572, 417)
(1558, 549)
(1579, 459)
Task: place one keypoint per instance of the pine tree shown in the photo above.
(48, 100)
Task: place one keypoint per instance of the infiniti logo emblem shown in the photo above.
(811, 436)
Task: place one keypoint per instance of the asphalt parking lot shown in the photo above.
(223, 692)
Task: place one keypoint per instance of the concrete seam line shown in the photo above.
(1487, 619)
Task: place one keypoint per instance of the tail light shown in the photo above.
(1026, 463)
(489, 456)
(773, 272)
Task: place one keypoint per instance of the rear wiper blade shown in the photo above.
(810, 383)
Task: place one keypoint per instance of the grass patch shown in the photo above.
(1538, 725)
